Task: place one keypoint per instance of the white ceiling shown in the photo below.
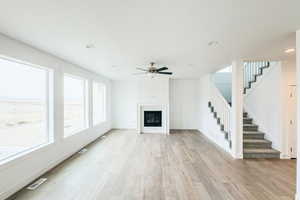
(175, 33)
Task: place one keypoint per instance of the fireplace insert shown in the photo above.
(152, 118)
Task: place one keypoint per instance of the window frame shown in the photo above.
(104, 103)
(85, 104)
(49, 109)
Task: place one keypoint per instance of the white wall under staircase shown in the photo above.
(266, 103)
(207, 123)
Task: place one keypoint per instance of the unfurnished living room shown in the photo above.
(149, 100)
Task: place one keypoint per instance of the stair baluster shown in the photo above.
(252, 70)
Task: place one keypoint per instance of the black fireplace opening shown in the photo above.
(152, 118)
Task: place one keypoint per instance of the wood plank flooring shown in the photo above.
(181, 166)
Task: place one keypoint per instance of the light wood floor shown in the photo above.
(184, 165)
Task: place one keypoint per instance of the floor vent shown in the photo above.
(82, 151)
(36, 184)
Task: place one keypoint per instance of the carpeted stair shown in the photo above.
(255, 146)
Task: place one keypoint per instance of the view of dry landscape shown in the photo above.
(22, 125)
(24, 107)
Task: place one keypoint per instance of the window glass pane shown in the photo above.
(23, 107)
(74, 105)
(98, 103)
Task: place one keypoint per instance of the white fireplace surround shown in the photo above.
(164, 129)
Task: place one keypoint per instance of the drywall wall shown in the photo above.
(288, 105)
(207, 124)
(125, 95)
(18, 172)
(183, 104)
(267, 103)
(222, 81)
(297, 196)
(180, 94)
(263, 104)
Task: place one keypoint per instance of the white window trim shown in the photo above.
(49, 104)
(104, 103)
(85, 103)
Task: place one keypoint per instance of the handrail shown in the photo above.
(222, 108)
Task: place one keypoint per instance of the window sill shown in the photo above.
(6, 162)
(99, 123)
(76, 132)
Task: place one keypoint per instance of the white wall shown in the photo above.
(184, 104)
(288, 80)
(125, 96)
(181, 94)
(207, 123)
(222, 81)
(266, 103)
(263, 103)
(298, 112)
(18, 172)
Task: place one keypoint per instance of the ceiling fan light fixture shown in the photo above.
(153, 69)
(213, 43)
(90, 46)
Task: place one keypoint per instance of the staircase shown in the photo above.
(252, 71)
(219, 122)
(221, 111)
(255, 146)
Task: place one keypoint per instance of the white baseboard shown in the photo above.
(297, 197)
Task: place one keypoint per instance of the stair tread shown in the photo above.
(252, 132)
(266, 151)
(249, 125)
(256, 141)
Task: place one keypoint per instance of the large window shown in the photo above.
(99, 103)
(24, 118)
(75, 105)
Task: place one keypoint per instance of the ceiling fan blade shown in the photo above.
(139, 73)
(161, 69)
(142, 69)
(168, 73)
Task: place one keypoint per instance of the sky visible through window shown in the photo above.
(18, 82)
(73, 88)
(23, 107)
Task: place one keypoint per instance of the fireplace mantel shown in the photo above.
(164, 129)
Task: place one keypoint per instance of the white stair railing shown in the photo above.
(253, 69)
(222, 110)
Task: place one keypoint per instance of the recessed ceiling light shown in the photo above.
(213, 43)
(290, 50)
(90, 46)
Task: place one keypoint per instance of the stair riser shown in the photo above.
(245, 114)
(257, 145)
(247, 121)
(253, 136)
(261, 155)
(250, 128)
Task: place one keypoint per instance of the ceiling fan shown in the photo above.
(153, 70)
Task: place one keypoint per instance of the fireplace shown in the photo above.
(152, 118)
